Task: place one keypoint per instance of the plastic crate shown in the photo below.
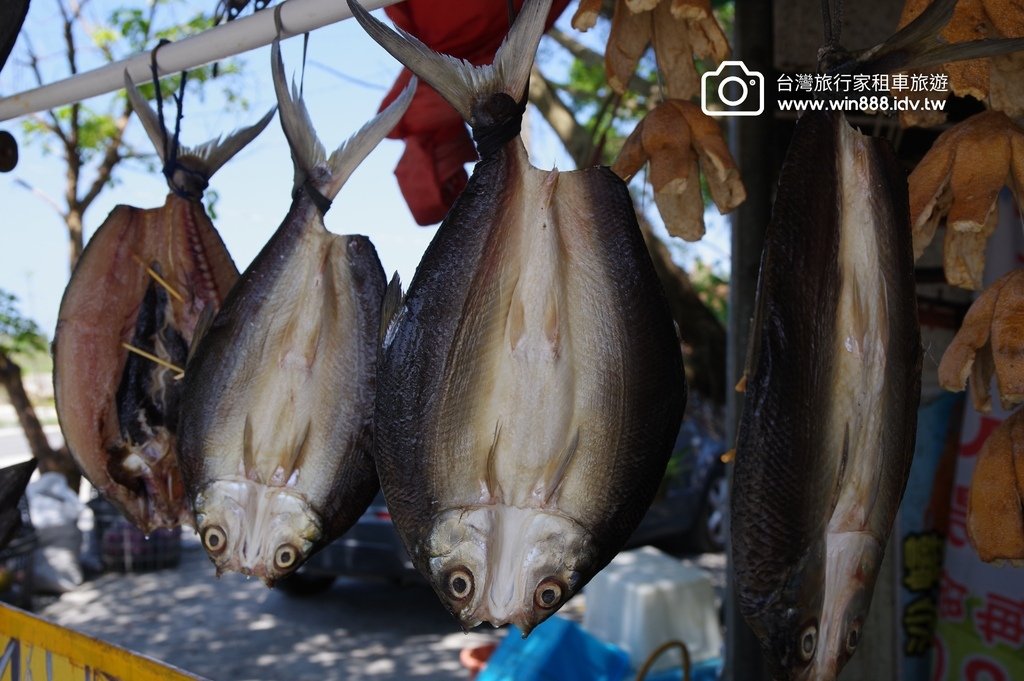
(16, 560)
(124, 548)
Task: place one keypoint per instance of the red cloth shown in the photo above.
(431, 172)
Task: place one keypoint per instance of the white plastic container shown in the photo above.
(645, 598)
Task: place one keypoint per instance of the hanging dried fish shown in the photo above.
(124, 327)
(531, 382)
(277, 427)
(827, 433)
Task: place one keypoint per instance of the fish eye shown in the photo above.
(214, 539)
(460, 584)
(853, 637)
(285, 556)
(548, 594)
(808, 642)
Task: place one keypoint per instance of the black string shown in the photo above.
(302, 74)
(159, 95)
(322, 203)
(490, 138)
(832, 20)
(172, 160)
(826, 20)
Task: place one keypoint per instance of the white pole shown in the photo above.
(227, 40)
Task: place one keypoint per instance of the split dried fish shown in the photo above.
(530, 382)
(125, 323)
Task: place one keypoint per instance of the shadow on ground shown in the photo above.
(232, 629)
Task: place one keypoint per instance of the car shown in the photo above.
(687, 515)
(689, 509)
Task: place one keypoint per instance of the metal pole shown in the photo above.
(754, 141)
(220, 42)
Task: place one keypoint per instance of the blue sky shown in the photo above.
(254, 188)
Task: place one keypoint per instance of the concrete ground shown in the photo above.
(233, 629)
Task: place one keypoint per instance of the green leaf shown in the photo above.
(17, 333)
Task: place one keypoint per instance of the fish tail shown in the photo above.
(211, 155)
(458, 81)
(308, 152)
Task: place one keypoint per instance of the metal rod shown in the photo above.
(220, 42)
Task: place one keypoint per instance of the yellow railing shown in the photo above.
(32, 648)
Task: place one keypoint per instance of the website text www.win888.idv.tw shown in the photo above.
(880, 92)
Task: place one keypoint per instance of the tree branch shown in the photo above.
(575, 137)
(111, 157)
(33, 63)
(591, 57)
(41, 195)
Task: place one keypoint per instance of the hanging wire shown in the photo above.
(159, 95)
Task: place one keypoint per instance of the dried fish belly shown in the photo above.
(827, 432)
(530, 382)
(125, 322)
(277, 418)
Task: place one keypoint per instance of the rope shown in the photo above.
(490, 138)
(667, 645)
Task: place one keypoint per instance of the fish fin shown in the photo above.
(211, 155)
(214, 153)
(248, 455)
(843, 460)
(491, 482)
(352, 151)
(203, 325)
(554, 475)
(297, 452)
(307, 150)
(756, 324)
(973, 49)
(147, 116)
(923, 29)
(919, 44)
(516, 319)
(390, 307)
(458, 81)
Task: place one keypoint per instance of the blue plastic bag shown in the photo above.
(557, 650)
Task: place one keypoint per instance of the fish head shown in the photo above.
(255, 529)
(502, 565)
(814, 637)
(853, 561)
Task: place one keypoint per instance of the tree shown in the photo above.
(21, 336)
(92, 142)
